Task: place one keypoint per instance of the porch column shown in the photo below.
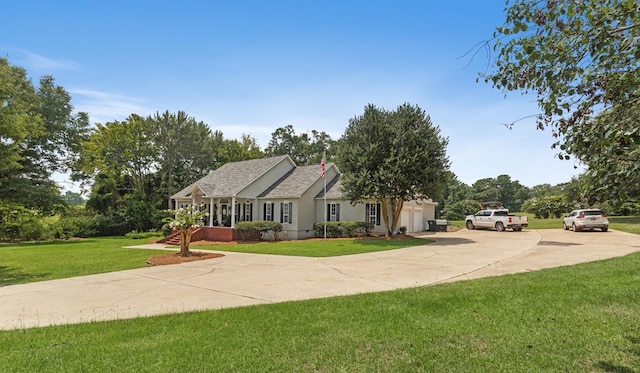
(233, 211)
(211, 212)
(219, 213)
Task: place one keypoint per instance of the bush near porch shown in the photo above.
(253, 230)
(337, 229)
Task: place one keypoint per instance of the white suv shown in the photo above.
(579, 220)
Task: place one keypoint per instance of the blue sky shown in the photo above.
(253, 66)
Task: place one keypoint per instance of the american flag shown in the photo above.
(322, 164)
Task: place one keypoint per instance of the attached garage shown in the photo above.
(411, 217)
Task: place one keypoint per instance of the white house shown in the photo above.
(276, 189)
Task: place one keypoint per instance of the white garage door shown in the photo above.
(417, 220)
(405, 216)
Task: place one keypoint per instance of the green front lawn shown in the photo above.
(31, 262)
(583, 318)
(318, 247)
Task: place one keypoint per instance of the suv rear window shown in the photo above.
(592, 212)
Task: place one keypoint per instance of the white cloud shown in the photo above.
(105, 107)
(36, 62)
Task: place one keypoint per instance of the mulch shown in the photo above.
(175, 258)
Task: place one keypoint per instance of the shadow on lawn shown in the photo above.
(13, 276)
(42, 243)
(616, 368)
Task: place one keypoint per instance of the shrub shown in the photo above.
(343, 228)
(349, 228)
(460, 209)
(254, 230)
(628, 209)
(75, 221)
(20, 223)
(138, 235)
(166, 230)
(546, 206)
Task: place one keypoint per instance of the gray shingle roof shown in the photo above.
(231, 178)
(295, 183)
(334, 190)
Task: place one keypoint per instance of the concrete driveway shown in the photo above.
(246, 279)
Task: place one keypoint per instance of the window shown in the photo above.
(333, 212)
(286, 210)
(248, 211)
(267, 211)
(372, 213)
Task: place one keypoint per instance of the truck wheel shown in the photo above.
(500, 226)
(470, 224)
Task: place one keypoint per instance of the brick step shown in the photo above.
(172, 242)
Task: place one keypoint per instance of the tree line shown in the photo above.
(543, 200)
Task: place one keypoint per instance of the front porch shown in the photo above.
(220, 234)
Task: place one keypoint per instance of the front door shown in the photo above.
(206, 218)
(225, 214)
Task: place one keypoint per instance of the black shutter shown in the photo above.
(264, 211)
(281, 212)
(251, 211)
(378, 214)
(366, 212)
(273, 211)
(328, 212)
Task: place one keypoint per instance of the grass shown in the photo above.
(30, 262)
(583, 318)
(317, 248)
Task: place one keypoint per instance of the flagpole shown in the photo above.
(324, 156)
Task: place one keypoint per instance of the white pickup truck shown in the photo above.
(500, 219)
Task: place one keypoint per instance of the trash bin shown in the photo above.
(441, 225)
(431, 225)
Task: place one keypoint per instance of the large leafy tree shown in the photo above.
(184, 149)
(119, 159)
(392, 157)
(304, 148)
(18, 117)
(135, 165)
(582, 61)
(39, 134)
(511, 194)
(123, 150)
(233, 150)
(454, 192)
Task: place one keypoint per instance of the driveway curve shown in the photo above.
(239, 279)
